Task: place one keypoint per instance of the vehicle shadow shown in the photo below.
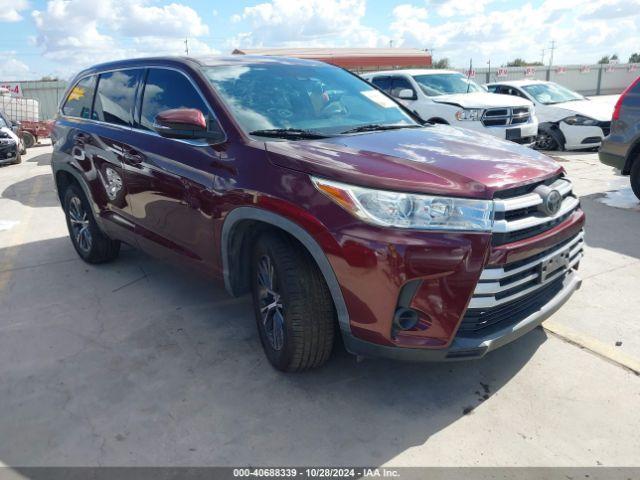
(37, 191)
(42, 160)
(611, 228)
(137, 363)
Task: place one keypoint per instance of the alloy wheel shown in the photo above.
(546, 142)
(270, 302)
(80, 224)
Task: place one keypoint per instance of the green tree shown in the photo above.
(519, 62)
(634, 58)
(442, 63)
(604, 60)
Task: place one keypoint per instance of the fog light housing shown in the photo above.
(405, 319)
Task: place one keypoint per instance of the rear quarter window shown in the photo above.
(80, 98)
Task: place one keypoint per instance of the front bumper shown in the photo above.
(8, 153)
(465, 348)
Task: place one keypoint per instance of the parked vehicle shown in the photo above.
(322, 196)
(9, 144)
(448, 97)
(568, 121)
(15, 128)
(25, 113)
(621, 149)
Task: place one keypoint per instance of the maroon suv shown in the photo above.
(325, 198)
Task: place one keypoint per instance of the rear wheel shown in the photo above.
(28, 140)
(90, 242)
(635, 177)
(293, 307)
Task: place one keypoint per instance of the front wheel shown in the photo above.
(90, 242)
(293, 307)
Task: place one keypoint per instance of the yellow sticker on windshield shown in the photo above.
(379, 98)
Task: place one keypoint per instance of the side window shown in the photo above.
(494, 88)
(80, 98)
(401, 83)
(165, 90)
(115, 96)
(383, 83)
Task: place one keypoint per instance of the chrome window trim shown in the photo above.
(135, 129)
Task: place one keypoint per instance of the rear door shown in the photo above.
(170, 182)
(90, 146)
(108, 140)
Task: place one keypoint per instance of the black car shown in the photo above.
(621, 149)
(9, 145)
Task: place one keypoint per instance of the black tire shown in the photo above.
(18, 159)
(90, 242)
(548, 140)
(635, 177)
(28, 139)
(307, 314)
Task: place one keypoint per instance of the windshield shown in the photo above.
(446, 83)
(549, 93)
(3, 123)
(322, 99)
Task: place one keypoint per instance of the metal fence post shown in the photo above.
(599, 80)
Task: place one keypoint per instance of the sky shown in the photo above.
(59, 37)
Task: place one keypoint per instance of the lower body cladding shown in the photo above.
(507, 301)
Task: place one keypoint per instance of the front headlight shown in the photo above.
(580, 120)
(469, 114)
(408, 210)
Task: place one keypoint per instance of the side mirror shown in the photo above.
(406, 94)
(184, 123)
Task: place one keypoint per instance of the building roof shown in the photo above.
(350, 57)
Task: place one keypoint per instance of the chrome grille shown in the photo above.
(524, 216)
(501, 285)
(495, 117)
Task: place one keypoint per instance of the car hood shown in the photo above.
(11, 133)
(438, 160)
(600, 111)
(482, 100)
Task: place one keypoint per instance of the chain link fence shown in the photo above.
(586, 79)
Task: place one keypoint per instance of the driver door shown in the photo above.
(171, 182)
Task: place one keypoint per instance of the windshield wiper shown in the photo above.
(377, 126)
(291, 133)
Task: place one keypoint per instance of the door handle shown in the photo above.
(81, 139)
(133, 157)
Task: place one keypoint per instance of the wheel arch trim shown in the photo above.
(258, 214)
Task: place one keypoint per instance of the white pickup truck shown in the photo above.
(446, 96)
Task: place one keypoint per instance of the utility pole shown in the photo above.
(390, 43)
(186, 46)
(542, 57)
(553, 47)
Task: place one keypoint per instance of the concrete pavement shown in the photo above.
(138, 363)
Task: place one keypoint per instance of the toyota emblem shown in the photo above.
(551, 200)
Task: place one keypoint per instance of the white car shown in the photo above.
(446, 96)
(568, 121)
